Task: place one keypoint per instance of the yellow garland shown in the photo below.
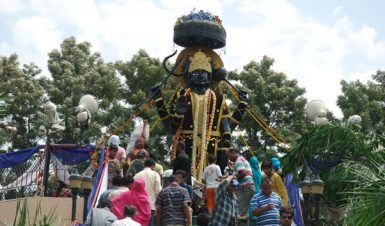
(207, 122)
(209, 128)
(195, 132)
(202, 150)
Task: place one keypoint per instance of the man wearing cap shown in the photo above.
(113, 143)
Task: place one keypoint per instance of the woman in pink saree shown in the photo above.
(138, 197)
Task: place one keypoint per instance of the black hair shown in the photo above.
(153, 156)
(129, 211)
(267, 180)
(232, 149)
(114, 147)
(212, 158)
(180, 172)
(127, 180)
(203, 219)
(181, 144)
(267, 164)
(172, 178)
(117, 180)
(149, 162)
(286, 209)
(106, 203)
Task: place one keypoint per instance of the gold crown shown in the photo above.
(200, 61)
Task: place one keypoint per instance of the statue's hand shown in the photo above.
(155, 92)
(181, 105)
(243, 95)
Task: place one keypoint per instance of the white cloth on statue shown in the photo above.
(138, 132)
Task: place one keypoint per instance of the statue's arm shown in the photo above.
(177, 112)
(171, 119)
(161, 107)
(226, 132)
(162, 111)
(237, 115)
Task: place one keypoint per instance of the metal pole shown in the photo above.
(86, 193)
(317, 199)
(75, 192)
(47, 159)
(306, 209)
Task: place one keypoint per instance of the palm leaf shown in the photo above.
(366, 199)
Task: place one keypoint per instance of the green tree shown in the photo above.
(76, 71)
(365, 100)
(277, 99)
(3, 107)
(23, 97)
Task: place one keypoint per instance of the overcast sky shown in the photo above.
(319, 43)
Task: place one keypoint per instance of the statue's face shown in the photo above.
(199, 81)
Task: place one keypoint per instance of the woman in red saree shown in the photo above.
(137, 197)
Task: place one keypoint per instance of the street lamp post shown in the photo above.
(316, 111)
(312, 190)
(87, 187)
(306, 191)
(317, 187)
(87, 107)
(75, 184)
(53, 123)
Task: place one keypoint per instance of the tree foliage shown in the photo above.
(276, 98)
(365, 100)
(76, 71)
(23, 96)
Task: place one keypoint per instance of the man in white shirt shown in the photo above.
(153, 183)
(129, 212)
(210, 175)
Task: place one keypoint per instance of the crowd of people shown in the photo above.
(245, 193)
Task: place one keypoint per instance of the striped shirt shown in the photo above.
(270, 217)
(171, 200)
(241, 164)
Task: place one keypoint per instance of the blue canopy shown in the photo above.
(13, 158)
(67, 154)
(73, 156)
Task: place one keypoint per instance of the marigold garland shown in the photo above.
(208, 120)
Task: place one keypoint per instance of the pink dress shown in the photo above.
(137, 197)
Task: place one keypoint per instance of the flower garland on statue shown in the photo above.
(96, 154)
(199, 16)
(198, 159)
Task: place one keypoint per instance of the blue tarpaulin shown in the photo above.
(68, 155)
(13, 158)
(74, 155)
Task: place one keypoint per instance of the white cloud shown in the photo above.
(338, 10)
(10, 7)
(314, 53)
